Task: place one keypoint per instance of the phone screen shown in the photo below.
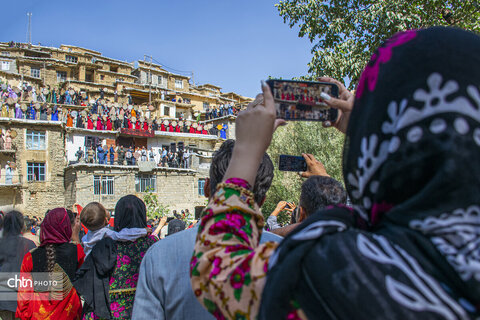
(292, 163)
(302, 101)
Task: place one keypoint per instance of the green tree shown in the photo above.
(294, 139)
(154, 207)
(344, 33)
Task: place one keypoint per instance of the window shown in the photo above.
(35, 171)
(145, 183)
(5, 53)
(35, 140)
(71, 59)
(166, 111)
(206, 105)
(179, 84)
(35, 72)
(113, 69)
(102, 77)
(103, 185)
(61, 76)
(201, 186)
(5, 65)
(161, 81)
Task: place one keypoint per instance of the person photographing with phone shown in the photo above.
(412, 175)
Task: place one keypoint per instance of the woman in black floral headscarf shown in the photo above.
(411, 165)
(410, 247)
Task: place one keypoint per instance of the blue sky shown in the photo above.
(231, 43)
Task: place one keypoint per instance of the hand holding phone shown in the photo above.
(314, 167)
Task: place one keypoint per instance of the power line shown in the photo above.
(173, 69)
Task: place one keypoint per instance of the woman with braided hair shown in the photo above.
(60, 259)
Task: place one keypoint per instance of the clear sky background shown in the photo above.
(230, 43)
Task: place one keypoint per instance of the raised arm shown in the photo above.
(228, 267)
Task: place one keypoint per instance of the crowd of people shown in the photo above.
(221, 111)
(179, 158)
(407, 249)
(25, 103)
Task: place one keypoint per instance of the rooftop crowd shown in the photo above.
(30, 103)
(407, 249)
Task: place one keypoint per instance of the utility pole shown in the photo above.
(29, 30)
(150, 83)
(149, 78)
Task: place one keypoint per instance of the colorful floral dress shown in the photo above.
(123, 282)
(229, 267)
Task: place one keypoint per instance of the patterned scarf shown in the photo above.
(411, 164)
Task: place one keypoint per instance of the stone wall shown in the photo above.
(176, 189)
(35, 197)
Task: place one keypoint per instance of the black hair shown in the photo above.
(13, 223)
(219, 166)
(319, 192)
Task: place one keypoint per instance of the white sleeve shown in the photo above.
(127, 234)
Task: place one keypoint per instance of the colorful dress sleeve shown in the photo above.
(228, 268)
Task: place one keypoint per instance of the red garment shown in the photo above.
(130, 125)
(177, 128)
(145, 126)
(170, 128)
(204, 131)
(79, 210)
(191, 130)
(109, 124)
(197, 131)
(56, 227)
(37, 305)
(137, 125)
(99, 124)
(89, 124)
(162, 127)
(111, 222)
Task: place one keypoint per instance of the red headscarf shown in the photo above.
(56, 227)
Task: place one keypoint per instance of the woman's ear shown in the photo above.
(302, 215)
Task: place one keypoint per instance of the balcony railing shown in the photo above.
(9, 180)
(8, 151)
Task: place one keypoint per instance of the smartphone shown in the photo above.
(291, 163)
(302, 100)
